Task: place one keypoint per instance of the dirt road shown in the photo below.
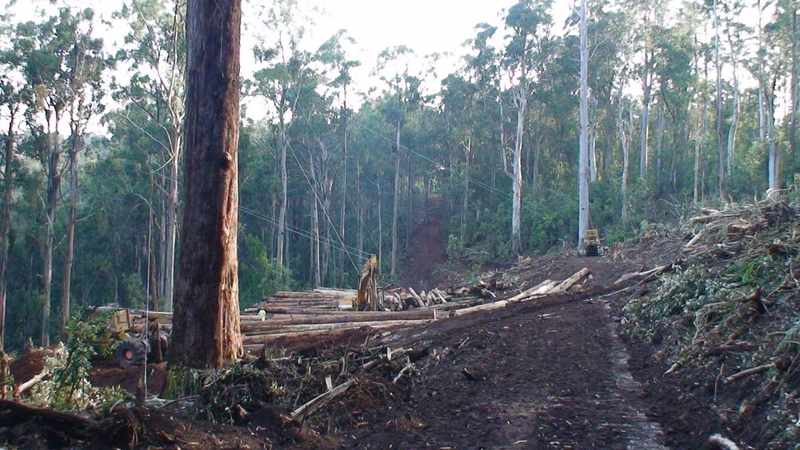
(548, 376)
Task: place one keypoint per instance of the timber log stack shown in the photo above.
(292, 319)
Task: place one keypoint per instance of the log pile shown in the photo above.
(286, 319)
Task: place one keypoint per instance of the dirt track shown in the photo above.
(554, 376)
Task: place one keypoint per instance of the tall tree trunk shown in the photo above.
(360, 206)
(645, 125)
(51, 203)
(5, 218)
(171, 225)
(697, 146)
(465, 210)
(593, 155)
(720, 138)
(516, 211)
(315, 247)
(660, 125)
(281, 253)
(69, 255)
(396, 206)
(735, 114)
(583, 167)
(774, 155)
(343, 213)
(315, 253)
(623, 141)
(206, 330)
(793, 88)
(162, 242)
(380, 220)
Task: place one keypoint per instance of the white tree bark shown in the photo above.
(735, 115)
(583, 168)
(720, 146)
(396, 205)
(623, 141)
(516, 214)
(281, 253)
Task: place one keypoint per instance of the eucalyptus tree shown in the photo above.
(721, 172)
(737, 33)
(46, 49)
(583, 165)
(280, 78)
(528, 24)
(646, 14)
(460, 104)
(155, 56)
(86, 67)
(333, 54)
(768, 69)
(12, 100)
(206, 332)
(403, 95)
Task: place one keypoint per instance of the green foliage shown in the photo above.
(259, 276)
(182, 382)
(69, 388)
(682, 293)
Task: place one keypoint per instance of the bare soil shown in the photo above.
(427, 248)
(539, 376)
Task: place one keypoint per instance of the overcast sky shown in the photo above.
(426, 26)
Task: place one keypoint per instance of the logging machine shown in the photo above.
(134, 348)
(591, 242)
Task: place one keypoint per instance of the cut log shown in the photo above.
(458, 304)
(481, 308)
(567, 284)
(695, 239)
(641, 275)
(333, 332)
(283, 329)
(352, 317)
(416, 297)
(540, 289)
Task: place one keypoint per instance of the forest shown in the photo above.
(629, 117)
(687, 103)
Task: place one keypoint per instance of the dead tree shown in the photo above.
(206, 323)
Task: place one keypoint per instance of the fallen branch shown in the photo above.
(642, 275)
(480, 308)
(313, 405)
(722, 443)
(539, 289)
(571, 281)
(746, 373)
(30, 383)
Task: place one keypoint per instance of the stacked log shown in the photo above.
(289, 318)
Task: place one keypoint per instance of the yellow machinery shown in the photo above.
(591, 242)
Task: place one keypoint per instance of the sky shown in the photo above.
(426, 26)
